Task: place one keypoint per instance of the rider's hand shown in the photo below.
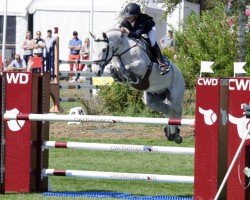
(124, 30)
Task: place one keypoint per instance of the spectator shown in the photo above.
(27, 46)
(17, 63)
(168, 41)
(85, 52)
(74, 46)
(38, 45)
(50, 53)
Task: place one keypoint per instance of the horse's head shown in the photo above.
(103, 53)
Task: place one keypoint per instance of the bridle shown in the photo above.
(106, 60)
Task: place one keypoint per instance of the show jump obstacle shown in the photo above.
(219, 125)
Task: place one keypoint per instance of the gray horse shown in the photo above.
(132, 64)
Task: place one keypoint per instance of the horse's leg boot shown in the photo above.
(162, 65)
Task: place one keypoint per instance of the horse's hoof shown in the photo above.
(178, 139)
(168, 135)
(177, 130)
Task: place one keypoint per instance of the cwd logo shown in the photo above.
(17, 78)
(15, 125)
(243, 125)
(239, 84)
(208, 81)
(210, 116)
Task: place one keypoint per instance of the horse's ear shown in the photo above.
(92, 35)
(104, 35)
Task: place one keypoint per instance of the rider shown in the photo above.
(135, 24)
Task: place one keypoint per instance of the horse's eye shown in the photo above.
(104, 50)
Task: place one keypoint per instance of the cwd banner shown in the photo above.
(21, 91)
(207, 120)
(238, 127)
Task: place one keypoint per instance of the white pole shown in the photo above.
(4, 32)
(232, 165)
(119, 147)
(91, 27)
(118, 176)
(80, 73)
(99, 118)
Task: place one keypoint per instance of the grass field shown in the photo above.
(148, 163)
(118, 162)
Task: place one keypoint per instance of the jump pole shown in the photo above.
(97, 118)
(118, 147)
(80, 73)
(118, 176)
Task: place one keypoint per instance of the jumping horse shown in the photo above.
(127, 61)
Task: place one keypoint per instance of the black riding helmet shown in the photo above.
(131, 10)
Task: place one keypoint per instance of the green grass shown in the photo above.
(122, 162)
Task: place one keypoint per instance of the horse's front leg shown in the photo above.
(114, 73)
(172, 132)
(157, 104)
(137, 67)
(134, 71)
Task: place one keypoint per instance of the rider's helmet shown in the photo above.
(131, 10)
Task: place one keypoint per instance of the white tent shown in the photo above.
(181, 12)
(18, 9)
(74, 15)
(15, 7)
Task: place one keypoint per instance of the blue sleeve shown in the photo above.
(12, 64)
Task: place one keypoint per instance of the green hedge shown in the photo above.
(209, 38)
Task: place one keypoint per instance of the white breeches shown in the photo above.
(152, 36)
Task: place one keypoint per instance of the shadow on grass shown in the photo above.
(112, 194)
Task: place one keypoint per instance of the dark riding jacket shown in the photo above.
(143, 24)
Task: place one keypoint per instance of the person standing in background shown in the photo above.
(38, 44)
(74, 45)
(50, 42)
(85, 52)
(168, 41)
(27, 47)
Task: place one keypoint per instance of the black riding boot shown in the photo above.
(157, 52)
